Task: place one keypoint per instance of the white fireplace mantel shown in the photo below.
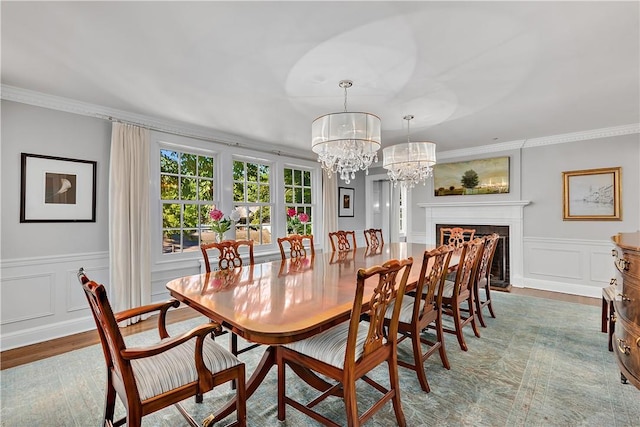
(508, 212)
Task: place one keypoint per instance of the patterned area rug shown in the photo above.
(539, 363)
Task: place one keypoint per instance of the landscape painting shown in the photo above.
(482, 176)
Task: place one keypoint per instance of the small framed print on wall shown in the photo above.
(591, 194)
(57, 189)
(345, 201)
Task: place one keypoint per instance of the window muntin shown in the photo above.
(297, 195)
(187, 187)
(252, 199)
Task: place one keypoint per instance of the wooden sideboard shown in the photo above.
(626, 338)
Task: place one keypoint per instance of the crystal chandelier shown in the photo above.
(346, 142)
(409, 163)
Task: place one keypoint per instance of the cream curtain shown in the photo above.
(329, 207)
(130, 266)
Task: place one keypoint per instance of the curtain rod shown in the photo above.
(204, 138)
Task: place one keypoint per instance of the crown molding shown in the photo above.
(39, 99)
(609, 132)
(25, 96)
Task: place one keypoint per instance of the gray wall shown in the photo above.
(36, 130)
(542, 184)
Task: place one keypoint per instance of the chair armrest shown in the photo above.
(162, 307)
(142, 352)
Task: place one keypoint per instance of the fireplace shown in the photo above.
(500, 266)
(496, 213)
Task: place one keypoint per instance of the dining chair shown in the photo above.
(343, 240)
(373, 237)
(296, 246)
(351, 349)
(228, 253)
(229, 257)
(459, 291)
(483, 278)
(422, 309)
(164, 373)
(456, 236)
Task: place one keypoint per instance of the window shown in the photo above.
(186, 193)
(297, 195)
(252, 199)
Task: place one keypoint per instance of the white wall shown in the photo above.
(40, 295)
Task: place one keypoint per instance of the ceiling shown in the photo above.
(472, 73)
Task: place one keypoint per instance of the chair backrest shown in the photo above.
(373, 237)
(468, 266)
(109, 332)
(296, 246)
(433, 273)
(490, 245)
(343, 240)
(456, 236)
(388, 289)
(229, 254)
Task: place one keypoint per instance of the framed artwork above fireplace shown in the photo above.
(482, 176)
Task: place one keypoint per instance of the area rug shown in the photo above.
(539, 363)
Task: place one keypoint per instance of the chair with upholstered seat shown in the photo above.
(457, 292)
(150, 378)
(456, 236)
(229, 257)
(343, 240)
(296, 246)
(416, 317)
(483, 278)
(349, 350)
(373, 237)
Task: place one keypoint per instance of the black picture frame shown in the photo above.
(57, 189)
(346, 201)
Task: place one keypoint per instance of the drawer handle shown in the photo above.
(624, 298)
(638, 342)
(614, 252)
(613, 281)
(622, 264)
(623, 348)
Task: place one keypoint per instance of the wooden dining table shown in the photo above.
(279, 302)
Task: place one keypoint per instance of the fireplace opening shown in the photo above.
(500, 265)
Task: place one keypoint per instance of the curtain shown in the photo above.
(130, 265)
(394, 212)
(329, 207)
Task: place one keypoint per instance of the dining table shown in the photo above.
(279, 302)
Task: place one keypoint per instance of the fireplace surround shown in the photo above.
(506, 213)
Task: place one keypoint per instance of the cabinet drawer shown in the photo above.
(627, 301)
(627, 263)
(626, 343)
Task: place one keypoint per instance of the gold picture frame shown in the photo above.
(592, 195)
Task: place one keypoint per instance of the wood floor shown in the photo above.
(31, 353)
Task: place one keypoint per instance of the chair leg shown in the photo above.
(395, 386)
(110, 402)
(241, 398)
(440, 338)
(350, 403)
(473, 316)
(457, 322)
(478, 303)
(489, 301)
(418, 363)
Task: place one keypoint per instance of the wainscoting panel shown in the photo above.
(32, 297)
(572, 266)
(42, 299)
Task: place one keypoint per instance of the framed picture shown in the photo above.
(57, 189)
(345, 201)
(482, 176)
(592, 194)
